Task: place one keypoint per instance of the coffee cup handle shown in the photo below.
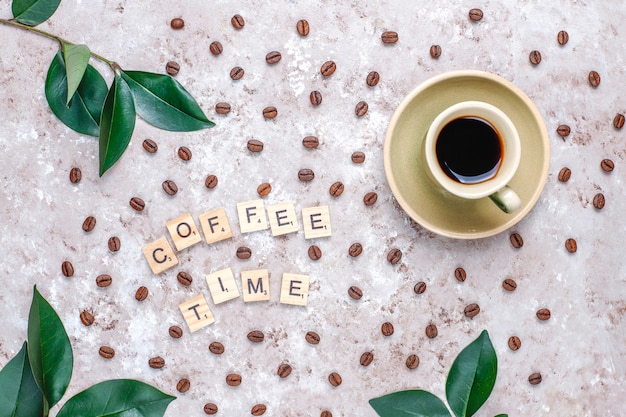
(506, 199)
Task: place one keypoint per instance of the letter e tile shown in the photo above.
(294, 289)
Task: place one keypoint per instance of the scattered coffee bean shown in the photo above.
(302, 27)
(543, 314)
(618, 122)
(76, 175)
(273, 57)
(170, 187)
(471, 310)
(431, 331)
(264, 189)
(326, 413)
(216, 348)
(336, 189)
(370, 198)
(358, 157)
(412, 361)
(372, 78)
(256, 336)
(316, 98)
(306, 174)
(535, 378)
(156, 363)
(172, 68)
(419, 288)
(243, 252)
(177, 23)
(598, 201)
(355, 250)
(103, 280)
(150, 146)
(86, 318)
(258, 410)
(312, 338)
(270, 112)
(67, 269)
(435, 51)
(335, 379)
(233, 380)
(475, 15)
(184, 153)
(114, 244)
(570, 245)
(210, 408)
(594, 78)
(210, 182)
(175, 332)
(563, 131)
(222, 108)
(366, 358)
(514, 343)
(394, 256)
(237, 21)
(89, 223)
(183, 385)
(315, 253)
(328, 68)
(389, 37)
(255, 145)
(460, 274)
(535, 57)
(184, 278)
(236, 73)
(562, 37)
(607, 165)
(509, 284)
(216, 48)
(355, 292)
(386, 329)
(361, 109)
(106, 352)
(284, 370)
(564, 174)
(516, 240)
(141, 294)
(310, 142)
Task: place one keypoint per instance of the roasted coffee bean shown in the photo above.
(355, 292)
(256, 336)
(366, 358)
(258, 410)
(475, 15)
(89, 223)
(326, 413)
(594, 78)
(141, 294)
(236, 73)
(372, 78)
(183, 385)
(106, 352)
(564, 174)
(216, 348)
(355, 249)
(264, 189)
(244, 252)
(175, 332)
(237, 21)
(172, 68)
(386, 328)
(315, 253)
(306, 174)
(431, 331)
(534, 57)
(358, 157)
(184, 153)
(302, 27)
(210, 182)
(233, 380)
(336, 189)
(361, 109)
(618, 123)
(419, 288)
(598, 201)
(103, 280)
(150, 146)
(535, 378)
(389, 37)
(315, 97)
(370, 198)
(210, 408)
(516, 240)
(114, 244)
(284, 370)
(435, 51)
(270, 112)
(67, 269)
(328, 68)
(471, 310)
(562, 37)
(255, 145)
(394, 256)
(177, 23)
(273, 57)
(514, 343)
(156, 363)
(509, 284)
(170, 187)
(312, 338)
(310, 142)
(222, 108)
(460, 274)
(184, 278)
(216, 48)
(76, 175)
(570, 245)
(412, 361)
(607, 165)
(335, 379)
(563, 131)
(86, 318)
(543, 314)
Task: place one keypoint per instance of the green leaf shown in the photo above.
(33, 12)
(411, 403)
(83, 113)
(49, 350)
(19, 394)
(472, 376)
(76, 60)
(163, 102)
(502, 415)
(120, 398)
(116, 124)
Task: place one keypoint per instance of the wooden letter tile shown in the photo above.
(283, 218)
(160, 255)
(316, 222)
(197, 313)
(215, 225)
(222, 285)
(255, 285)
(252, 216)
(184, 232)
(294, 289)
